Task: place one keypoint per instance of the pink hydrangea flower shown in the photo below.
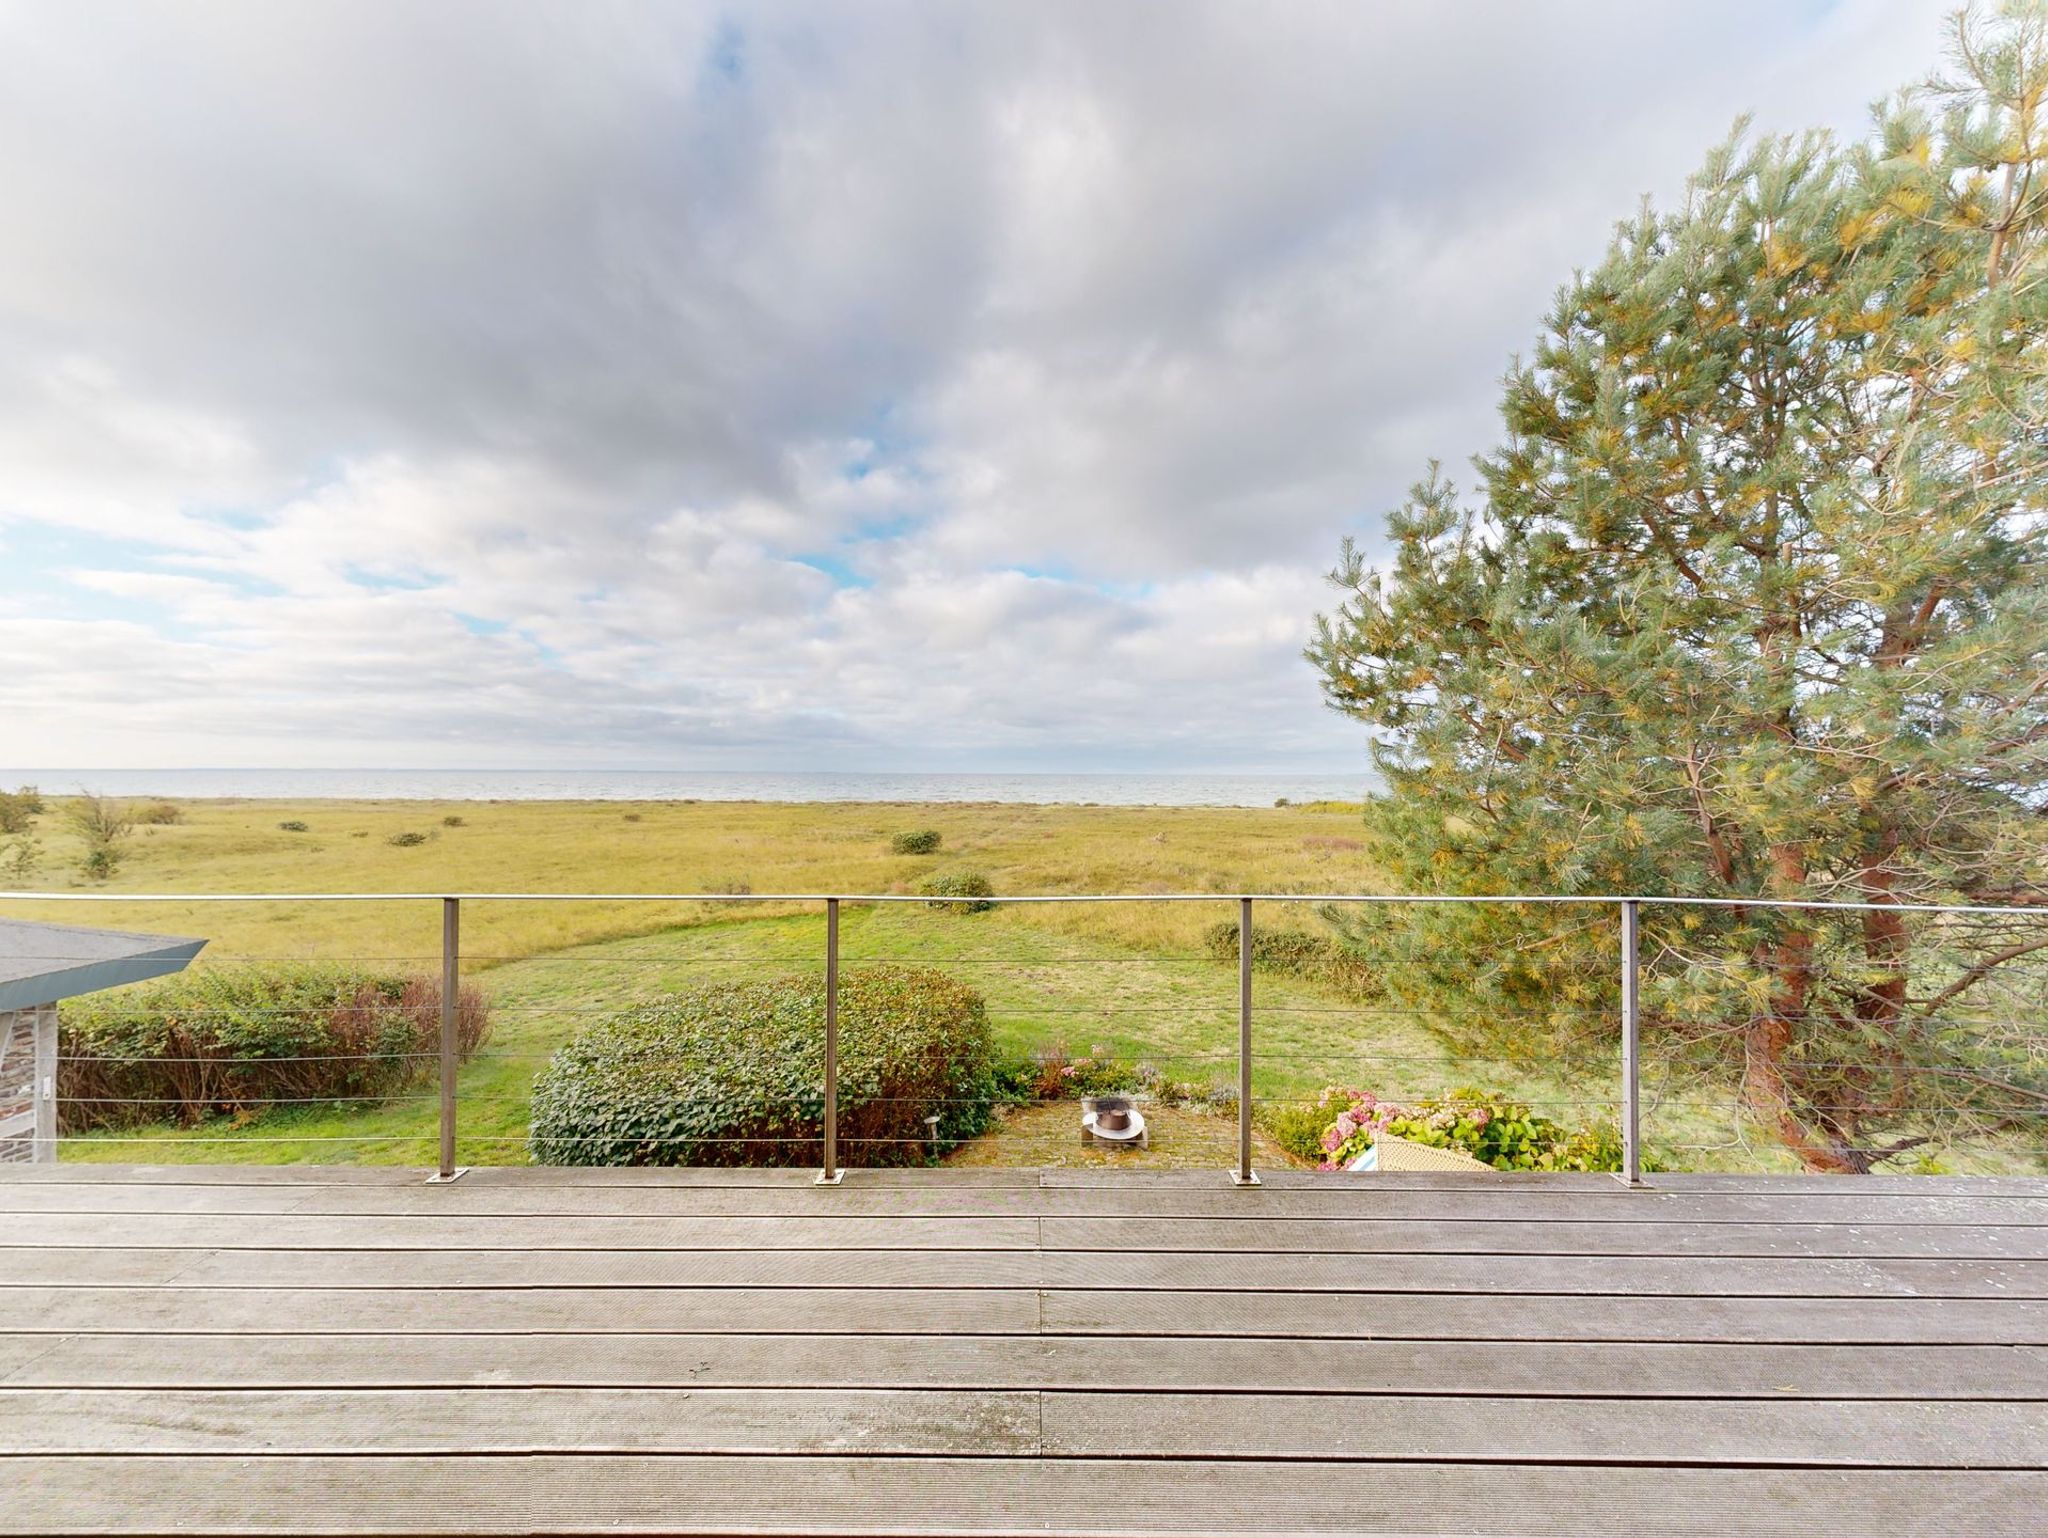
(1332, 1141)
(1346, 1125)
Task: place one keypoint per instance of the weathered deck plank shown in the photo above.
(1207, 1270)
(1001, 1496)
(923, 1311)
(1246, 1233)
(987, 1422)
(1528, 1187)
(1503, 1201)
(1403, 1368)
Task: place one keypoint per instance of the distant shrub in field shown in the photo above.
(407, 840)
(963, 891)
(102, 826)
(918, 841)
(733, 1073)
(293, 826)
(161, 814)
(21, 855)
(451, 821)
(231, 1040)
(1297, 953)
(632, 817)
(18, 808)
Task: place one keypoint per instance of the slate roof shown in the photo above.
(42, 963)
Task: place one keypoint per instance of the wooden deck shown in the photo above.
(557, 1351)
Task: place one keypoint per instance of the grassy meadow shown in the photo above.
(624, 847)
(1130, 979)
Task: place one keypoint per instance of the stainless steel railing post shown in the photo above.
(1631, 1044)
(1244, 1175)
(451, 1000)
(831, 1174)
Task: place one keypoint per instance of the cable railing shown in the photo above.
(1584, 1043)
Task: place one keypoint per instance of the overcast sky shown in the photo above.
(870, 386)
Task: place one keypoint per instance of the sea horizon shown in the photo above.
(1210, 789)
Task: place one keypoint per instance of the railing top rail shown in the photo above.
(1595, 899)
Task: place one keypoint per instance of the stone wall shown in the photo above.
(28, 1059)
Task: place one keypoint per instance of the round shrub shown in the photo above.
(918, 841)
(406, 840)
(293, 826)
(963, 891)
(235, 1039)
(734, 1073)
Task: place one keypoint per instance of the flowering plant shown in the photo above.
(1486, 1125)
(1360, 1116)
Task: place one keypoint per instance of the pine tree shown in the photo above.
(1749, 602)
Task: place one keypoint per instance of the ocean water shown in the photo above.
(664, 785)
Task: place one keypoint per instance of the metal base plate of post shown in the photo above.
(449, 1179)
(1245, 1178)
(823, 1179)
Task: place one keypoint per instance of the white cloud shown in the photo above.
(901, 385)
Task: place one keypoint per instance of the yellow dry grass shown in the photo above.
(614, 847)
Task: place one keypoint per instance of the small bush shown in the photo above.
(293, 826)
(102, 826)
(1016, 1080)
(232, 1040)
(451, 821)
(919, 841)
(1299, 953)
(1052, 1073)
(20, 856)
(1299, 1129)
(407, 840)
(734, 1074)
(18, 808)
(161, 814)
(962, 891)
(632, 817)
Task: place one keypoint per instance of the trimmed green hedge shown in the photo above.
(734, 1074)
(235, 1039)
